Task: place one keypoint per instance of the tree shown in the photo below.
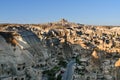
(59, 77)
(62, 63)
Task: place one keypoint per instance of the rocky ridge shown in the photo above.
(31, 51)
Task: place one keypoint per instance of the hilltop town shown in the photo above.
(59, 51)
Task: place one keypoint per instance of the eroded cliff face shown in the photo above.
(17, 55)
(28, 51)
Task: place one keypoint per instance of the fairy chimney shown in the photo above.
(117, 64)
(95, 55)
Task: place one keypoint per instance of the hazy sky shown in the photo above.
(103, 12)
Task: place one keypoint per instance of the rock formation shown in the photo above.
(40, 51)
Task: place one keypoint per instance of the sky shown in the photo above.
(93, 12)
